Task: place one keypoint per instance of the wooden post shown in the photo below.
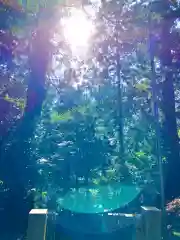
(37, 224)
(51, 226)
(148, 226)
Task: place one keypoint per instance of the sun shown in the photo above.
(77, 29)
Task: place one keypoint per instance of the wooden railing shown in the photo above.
(148, 224)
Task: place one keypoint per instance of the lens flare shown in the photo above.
(77, 29)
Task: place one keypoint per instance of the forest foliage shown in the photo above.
(68, 122)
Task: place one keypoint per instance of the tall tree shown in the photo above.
(19, 175)
(171, 140)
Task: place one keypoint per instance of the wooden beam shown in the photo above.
(148, 226)
(37, 224)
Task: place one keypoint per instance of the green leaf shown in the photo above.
(44, 194)
(140, 154)
(163, 159)
(55, 117)
(142, 87)
(19, 102)
(177, 234)
(68, 115)
(96, 181)
(179, 132)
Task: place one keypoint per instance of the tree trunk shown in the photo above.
(19, 172)
(172, 189)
